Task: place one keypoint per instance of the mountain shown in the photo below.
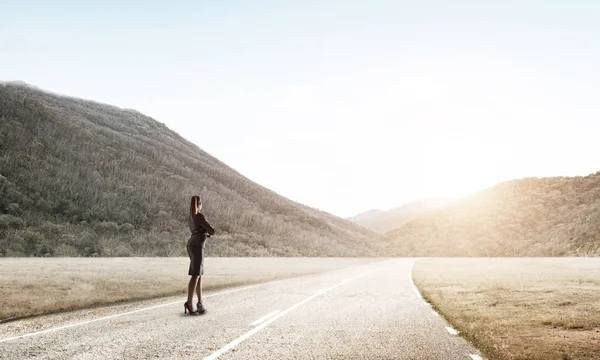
(556, 216)
(365, 215)
(383, 221)
(80, 178)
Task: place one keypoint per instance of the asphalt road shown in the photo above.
(366, 312)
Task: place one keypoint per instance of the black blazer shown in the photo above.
(199, 227)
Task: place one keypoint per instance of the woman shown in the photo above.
(195, 248)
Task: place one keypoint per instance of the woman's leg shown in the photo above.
(199, 289)
(191, 287)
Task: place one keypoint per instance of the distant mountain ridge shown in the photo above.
(383, 221)
(365, 215)
(556, 216)
(81, 178)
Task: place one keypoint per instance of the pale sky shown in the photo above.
(344, 106)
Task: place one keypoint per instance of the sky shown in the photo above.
(344, 106)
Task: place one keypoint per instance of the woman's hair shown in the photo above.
(194, 204)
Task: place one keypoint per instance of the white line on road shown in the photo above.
(410, 275)
(237, 341)
(416, 290)
(264, 318)
(318, 291)
(451, 330)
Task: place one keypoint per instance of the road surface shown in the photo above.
(367, 312)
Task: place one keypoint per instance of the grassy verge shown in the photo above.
(523, 308)
(35, 286)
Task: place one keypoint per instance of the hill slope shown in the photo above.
(557, 216)
(88, 179)
(384, 221)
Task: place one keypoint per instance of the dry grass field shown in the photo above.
(34, 286)
(519, 308)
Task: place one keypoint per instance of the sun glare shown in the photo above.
(456, 166)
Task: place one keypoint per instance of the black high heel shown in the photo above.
(200, 306)
(187, 309)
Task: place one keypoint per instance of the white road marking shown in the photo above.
(264, 318)
(83, 323)
(318, 291)
(416, 290)
(134, 311)
(245, 336)
(451, 330)
(412, 283)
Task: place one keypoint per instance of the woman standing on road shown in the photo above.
(195, 248)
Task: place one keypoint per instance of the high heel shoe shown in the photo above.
(200, 309)
(187, 309)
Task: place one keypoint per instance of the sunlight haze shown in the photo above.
(343, 106)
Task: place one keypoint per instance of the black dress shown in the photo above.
(195, 246)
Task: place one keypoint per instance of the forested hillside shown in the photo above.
(558, 216)
(80, 178)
